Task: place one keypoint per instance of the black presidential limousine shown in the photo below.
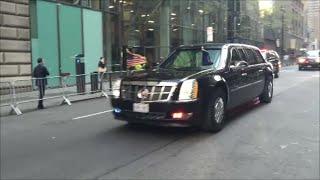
(195, 86)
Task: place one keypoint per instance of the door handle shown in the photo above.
(260, 70)
(244, 74)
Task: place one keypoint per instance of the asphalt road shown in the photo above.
(83, 141)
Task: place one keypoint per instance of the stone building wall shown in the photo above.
(15, 46)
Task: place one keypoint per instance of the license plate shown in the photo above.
(140, 107)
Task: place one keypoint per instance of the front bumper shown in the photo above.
(159, 112)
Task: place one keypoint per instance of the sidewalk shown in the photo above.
(30, 99)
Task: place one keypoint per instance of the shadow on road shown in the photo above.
(146, 130)
(240, 111)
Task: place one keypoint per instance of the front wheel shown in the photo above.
(215, 114)
(300, 68)
(276, 75)
(267, 93)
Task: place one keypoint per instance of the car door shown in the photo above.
(262, 71)
(255, 73)
(247, 74)
(234, 78)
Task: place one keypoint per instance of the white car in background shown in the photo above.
(310, 59)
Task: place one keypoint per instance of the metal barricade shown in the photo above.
(108, 80)
(36, 90)
(33, 90)
(5, 94)
(81, 84)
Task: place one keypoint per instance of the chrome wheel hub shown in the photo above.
(218, 110)
(270, 89)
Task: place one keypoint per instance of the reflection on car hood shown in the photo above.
(162, 74)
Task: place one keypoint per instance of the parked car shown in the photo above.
(273, 57)
(195, 86)
(310, 59)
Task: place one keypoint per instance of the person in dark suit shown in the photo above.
(40, 72)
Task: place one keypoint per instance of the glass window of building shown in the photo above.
(157, 27)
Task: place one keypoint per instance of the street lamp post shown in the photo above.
(282, 32)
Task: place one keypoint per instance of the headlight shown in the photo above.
(116, 88)
(189, 90)
(301, 60)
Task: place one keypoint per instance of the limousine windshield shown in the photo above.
(193, 59)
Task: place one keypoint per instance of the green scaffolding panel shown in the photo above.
(92, 36)
(70, 38)
(46, 45)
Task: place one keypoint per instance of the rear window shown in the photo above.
(264, 54)
(313, 53)
(259, 57)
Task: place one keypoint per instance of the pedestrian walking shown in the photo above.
(101, 70)
(40, 72)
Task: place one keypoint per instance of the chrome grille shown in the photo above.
(156, 91)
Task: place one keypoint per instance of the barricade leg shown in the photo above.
(104, 94)
(64, 85)
(15, 109)
(13, 104)
(66, 100)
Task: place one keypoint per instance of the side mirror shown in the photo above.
(241, 64)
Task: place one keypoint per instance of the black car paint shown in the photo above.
(240, 84)
(274, 60)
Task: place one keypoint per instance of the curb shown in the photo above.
(6, 111)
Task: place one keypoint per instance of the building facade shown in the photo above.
(244, 24)
(57, 30)
(289, 25)
(313, 18)
(15, 47)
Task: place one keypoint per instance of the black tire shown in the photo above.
(210, 123)
(300, 68)
(276, 75)
(267, 93)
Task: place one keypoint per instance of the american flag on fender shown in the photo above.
(134, 60)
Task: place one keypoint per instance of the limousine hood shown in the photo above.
(163, 74)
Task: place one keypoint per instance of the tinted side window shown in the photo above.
(273, 55)
(242, 54)
(269, 55)
(251, 57)
(235, 57)
(259, 56)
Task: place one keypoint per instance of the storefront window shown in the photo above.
(159, 26)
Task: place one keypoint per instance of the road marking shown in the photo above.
(288, 70)
(89, 115)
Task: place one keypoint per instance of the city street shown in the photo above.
(83, 141)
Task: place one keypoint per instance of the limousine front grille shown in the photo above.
(147, 91)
